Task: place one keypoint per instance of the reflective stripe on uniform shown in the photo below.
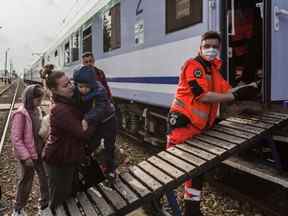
(193, 191)
(192, 194)
(201, 114)
(179, 102)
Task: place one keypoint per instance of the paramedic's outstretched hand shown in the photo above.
(84, 125)
(248, 92)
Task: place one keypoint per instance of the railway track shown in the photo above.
(5, 96)
(12, 103)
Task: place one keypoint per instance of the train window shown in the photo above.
(67, 53)
(182, 14)
(56, 53)
(42, 61)
(112, 29)
(75, 47)
(87, 40)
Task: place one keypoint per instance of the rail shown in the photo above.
(5, 89)
(8, 117)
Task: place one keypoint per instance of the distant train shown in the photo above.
(142, 44)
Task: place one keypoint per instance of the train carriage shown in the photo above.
(142, 44)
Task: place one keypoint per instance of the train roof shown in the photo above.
(81, 20)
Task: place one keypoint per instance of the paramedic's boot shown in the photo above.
(192, 208)
(173, 204)
(192, 197)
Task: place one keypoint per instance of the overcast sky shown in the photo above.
(29, 26)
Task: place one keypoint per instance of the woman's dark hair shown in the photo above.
(48, 68)
(51, 77)
(38, 91)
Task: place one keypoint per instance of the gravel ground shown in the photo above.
(214, 202)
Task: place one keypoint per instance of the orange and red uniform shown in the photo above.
(186, 102)
(196, 79)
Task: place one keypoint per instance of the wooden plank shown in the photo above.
(279, 138)
(206, 147)
(250, 122)
(258, 169)
(260, 117)
(146, 179)
(86, 204)
(73, 208)
(166, 167)
(245, 135)
(215, 140)
(196, 161)
(241, 127)
(180, 164)
(100, 202)
(278, 114)
(136, 185)
(125, 191)
(196, 151)
(273, 115)
(223, 136)
(113, 196)
(155, 172)
(60, 211)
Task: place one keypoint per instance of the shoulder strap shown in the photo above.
(204, 64)
(94, 103)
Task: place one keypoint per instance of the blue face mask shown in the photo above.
(210, 54)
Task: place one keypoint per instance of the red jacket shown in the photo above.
(66, 140)
(100, 76)
(201, 115)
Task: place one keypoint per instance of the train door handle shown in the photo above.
(277, 14)
(260, 5)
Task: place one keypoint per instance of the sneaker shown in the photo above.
(20, 212)
(45, 212)
(110, 179)
(167, 210)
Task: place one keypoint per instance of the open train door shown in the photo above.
(276, 47)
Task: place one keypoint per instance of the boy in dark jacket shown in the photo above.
(92, 99)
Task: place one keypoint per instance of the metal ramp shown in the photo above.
(169, 169)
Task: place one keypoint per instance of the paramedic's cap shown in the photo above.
(211, 35)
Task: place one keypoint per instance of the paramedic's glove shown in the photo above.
(248, 92)
(84, 125)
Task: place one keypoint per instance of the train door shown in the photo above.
(276, 52)
(244, 33)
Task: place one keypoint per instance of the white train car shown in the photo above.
(32, 74)
(142, 44)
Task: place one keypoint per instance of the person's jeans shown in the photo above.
(25, 181)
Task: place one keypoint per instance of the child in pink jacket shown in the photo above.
(26, 123)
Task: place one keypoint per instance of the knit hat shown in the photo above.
(85, 75)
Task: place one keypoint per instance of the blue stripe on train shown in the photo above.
(151, 80)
